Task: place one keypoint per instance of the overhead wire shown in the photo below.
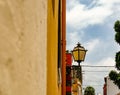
(95, 66)
(93, 71)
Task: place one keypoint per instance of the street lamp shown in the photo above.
(79, 53)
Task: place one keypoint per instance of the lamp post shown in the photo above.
(79, 53)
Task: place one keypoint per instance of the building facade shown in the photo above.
(68, 73)
(111, 88)
(32, 47)
(56, 41)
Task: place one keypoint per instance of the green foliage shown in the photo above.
(117, 60)
(89, 91)
(113, 74)
(115, 77)
(117, 26)
(117, 37)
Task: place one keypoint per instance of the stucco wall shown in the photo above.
(112, 89)
(23, 47)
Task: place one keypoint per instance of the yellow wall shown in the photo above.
(52, 47)
(23, 30)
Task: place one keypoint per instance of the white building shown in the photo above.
(112, 89)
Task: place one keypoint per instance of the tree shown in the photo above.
(115, 76)
(89, 90)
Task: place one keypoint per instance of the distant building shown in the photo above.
(68, 73)
(110, 88)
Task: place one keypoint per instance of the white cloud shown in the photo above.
(110, 2)
(80, 16)
(73, 38)
(91, 45)
(104, 62)
(71, 3)
(107, 62)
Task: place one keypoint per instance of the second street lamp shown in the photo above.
(79, 53)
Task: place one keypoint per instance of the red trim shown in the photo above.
(68, 59)
(68, 88)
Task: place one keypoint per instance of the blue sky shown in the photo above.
(91, 23)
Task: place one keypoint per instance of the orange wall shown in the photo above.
(63, 47)
(52, 48)
(53, 88)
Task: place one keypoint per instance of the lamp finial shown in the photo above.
(78, 44)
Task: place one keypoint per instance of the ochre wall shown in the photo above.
(52, 49)
(23, 30)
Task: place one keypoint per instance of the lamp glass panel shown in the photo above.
(82, 55)
(75, 55)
